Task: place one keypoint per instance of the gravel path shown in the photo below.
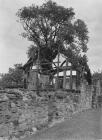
(86, 125)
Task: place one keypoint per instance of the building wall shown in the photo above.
(43, 81)
(32, 80)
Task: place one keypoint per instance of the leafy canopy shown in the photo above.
(51, 28)
(14, 77)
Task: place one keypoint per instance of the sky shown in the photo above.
(13, 48)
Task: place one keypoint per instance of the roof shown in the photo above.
(28, 64)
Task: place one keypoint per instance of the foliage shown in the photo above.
(14, 77)
(53, 29)
(97, 76)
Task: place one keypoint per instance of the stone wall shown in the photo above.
(23, 113)
(86, 96)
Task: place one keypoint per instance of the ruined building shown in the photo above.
(65, 78)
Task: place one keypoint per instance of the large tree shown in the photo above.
(53, 29)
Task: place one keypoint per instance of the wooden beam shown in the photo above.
(71, 82)
(64, 74)
(37, 78)
(57, 86)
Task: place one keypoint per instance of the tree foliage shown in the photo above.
(14, 77)
(52, 29)
(97, 76)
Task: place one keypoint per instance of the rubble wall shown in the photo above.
(24, 113)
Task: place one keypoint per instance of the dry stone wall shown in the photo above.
(24, 113)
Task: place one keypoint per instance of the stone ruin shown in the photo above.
(23, 112)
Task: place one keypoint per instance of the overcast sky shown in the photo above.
(13, 47)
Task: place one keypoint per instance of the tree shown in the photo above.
(53, 29)
(97, 76)
(14, 77)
